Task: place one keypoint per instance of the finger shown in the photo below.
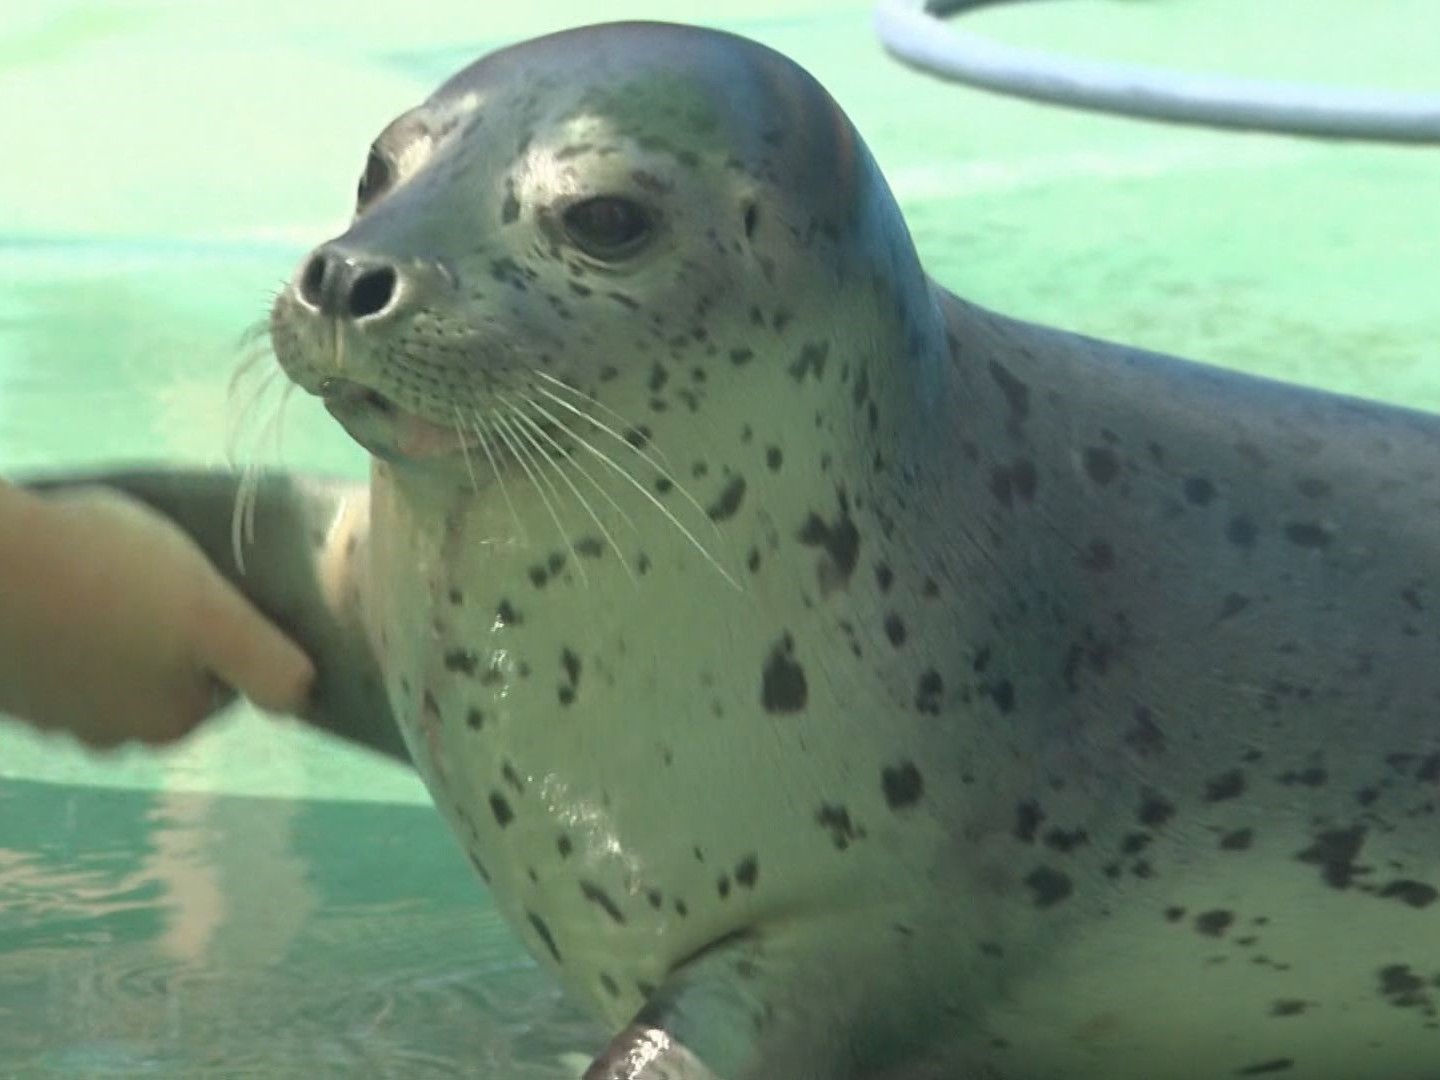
(244, 650)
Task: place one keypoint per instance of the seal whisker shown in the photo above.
(242, 513)
(625, 475)
(465, 448)
(516, 448)
(661, 470)
(531, 429)
(483, 436)
(606, 409)
(614, 505)
(270, 430)
(239, 414)
(285, 399)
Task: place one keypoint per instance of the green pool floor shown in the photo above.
(261, 902)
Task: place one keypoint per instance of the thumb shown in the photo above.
(244, 650)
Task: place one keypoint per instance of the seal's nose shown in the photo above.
(347, 285)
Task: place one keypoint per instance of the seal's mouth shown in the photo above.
(385, 429)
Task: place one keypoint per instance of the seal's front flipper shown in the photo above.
(297, 570)
(647, 1053)
(706, 1022)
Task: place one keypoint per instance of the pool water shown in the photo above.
(261, 902)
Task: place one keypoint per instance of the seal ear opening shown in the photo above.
(752, 218)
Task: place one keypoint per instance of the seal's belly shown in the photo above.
(565, 832)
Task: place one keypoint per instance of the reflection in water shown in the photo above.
(183, 935)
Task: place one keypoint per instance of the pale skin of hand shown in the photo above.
(115, 627)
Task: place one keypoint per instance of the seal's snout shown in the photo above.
(346, 285)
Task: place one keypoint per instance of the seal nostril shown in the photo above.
(312, 281)
(372, 292)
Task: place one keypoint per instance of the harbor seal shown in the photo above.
(828, 677)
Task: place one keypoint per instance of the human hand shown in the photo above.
(114, 626)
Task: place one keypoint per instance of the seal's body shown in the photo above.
(828, 677)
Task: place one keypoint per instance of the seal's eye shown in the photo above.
(608, 227)
(374, 180)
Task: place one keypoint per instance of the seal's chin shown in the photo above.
(388, 431)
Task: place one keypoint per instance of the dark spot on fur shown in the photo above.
(1288, 1007)
(840, 541)
(723, 508)
(1145, 736)
(1228, 785)
(1101, 464)
(1134, 843)
(895, 629)
(774, 459)
(512, 777)
(1313, 776)
(1028, 817)
(884, 577)
(810, 361)
(1233, 604)
(506, 615)
(1017, 480)
(479, 867)
(1262, 1068)
(1241, 532)
(501, 809)
(1239, 840)
(1065, 841)
(543, 933)
(782, 686)
(1214, 923)
(1307, 534)
(461, 661)
(1155, 810)
(747, 872)
(564, 846)
(751, 218)
(510, 211)
(596, 895)
(1049, 887)
(902, 785)
(1198, 491)
(1017, 394)
(929, 692)
(474, 718)
(1334, 851)
(1403, 988)
(1415, 893)
(836, 820)
(1002, 693)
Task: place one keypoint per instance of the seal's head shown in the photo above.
(625, 215)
